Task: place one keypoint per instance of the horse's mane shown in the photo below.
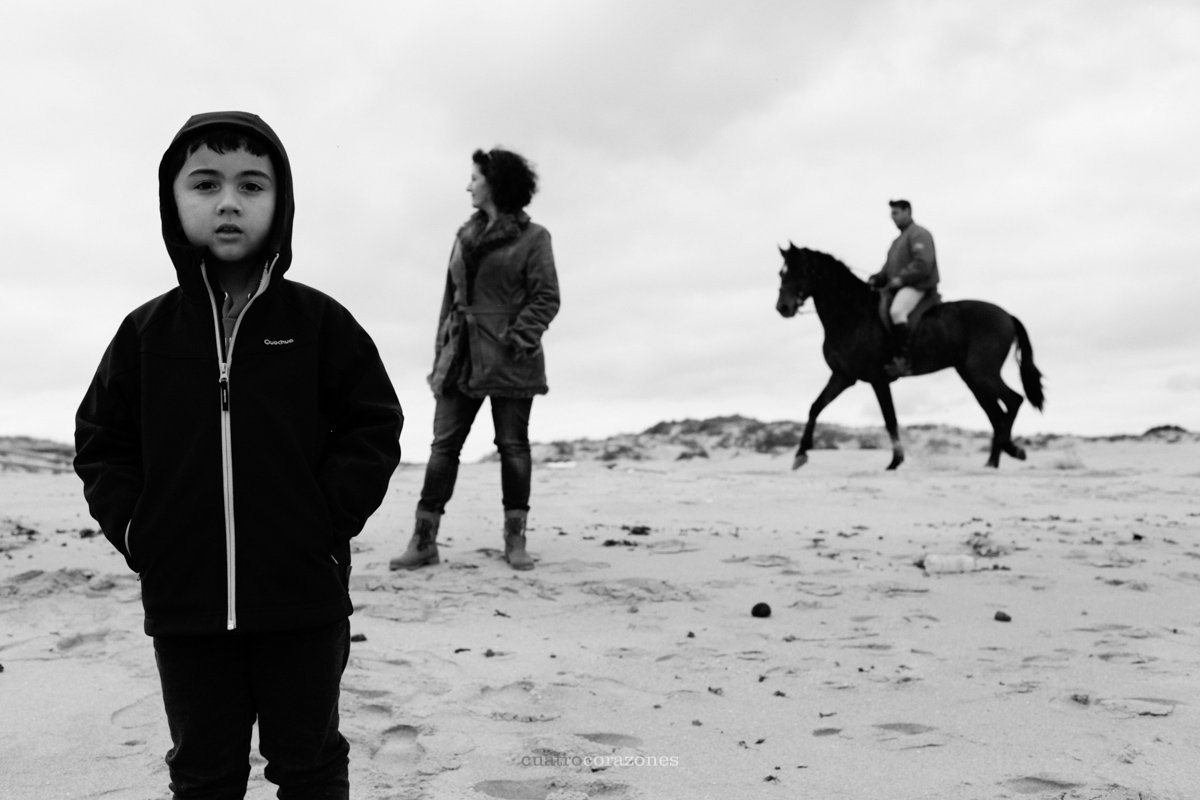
(832, 265)
(830, 283)
(831, 269)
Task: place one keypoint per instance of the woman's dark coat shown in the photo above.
(501, 294)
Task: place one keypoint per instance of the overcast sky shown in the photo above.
(1052, 148)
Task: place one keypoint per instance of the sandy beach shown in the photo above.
(629, 665)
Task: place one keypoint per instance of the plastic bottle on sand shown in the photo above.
(945, 564)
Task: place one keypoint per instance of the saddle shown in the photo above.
(931, 299)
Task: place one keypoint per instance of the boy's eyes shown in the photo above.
(250, 187)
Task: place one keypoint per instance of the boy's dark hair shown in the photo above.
(903, 205)
(510, 177)
(219, 140)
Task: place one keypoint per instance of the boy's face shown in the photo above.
(226, 202)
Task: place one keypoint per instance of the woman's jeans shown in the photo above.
(452, 422)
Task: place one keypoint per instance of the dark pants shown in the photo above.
(215, 687)
(452, 422)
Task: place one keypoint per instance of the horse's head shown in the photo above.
(811, 273)
(795, 281)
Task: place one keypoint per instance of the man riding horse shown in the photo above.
(908, 275)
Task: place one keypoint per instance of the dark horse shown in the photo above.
(972, 336)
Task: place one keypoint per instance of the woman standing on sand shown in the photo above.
(501, 294)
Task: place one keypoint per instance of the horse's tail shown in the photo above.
(1031, 377)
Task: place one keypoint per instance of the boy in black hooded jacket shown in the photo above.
(233, 486)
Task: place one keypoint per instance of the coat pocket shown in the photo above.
(489, 354)
(492, 361)
(447, 355)
(135, 541)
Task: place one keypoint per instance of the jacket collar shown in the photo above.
(476, 236)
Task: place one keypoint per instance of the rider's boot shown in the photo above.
(900, 365)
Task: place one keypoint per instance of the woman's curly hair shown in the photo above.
(510, 177)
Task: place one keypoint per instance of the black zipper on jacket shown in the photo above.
(224, 365)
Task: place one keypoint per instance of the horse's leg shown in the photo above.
(1012, 404)
(837, 384)
(883, 393)
(1008, 403)
(986, 396)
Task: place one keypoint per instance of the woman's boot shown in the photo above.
(422, 547)
(514, 540)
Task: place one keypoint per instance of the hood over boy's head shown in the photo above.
(224, 132)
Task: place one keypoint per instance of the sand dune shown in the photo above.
(629, 664)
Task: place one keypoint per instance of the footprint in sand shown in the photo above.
(907, 728)
(1036, 784)
(576, 565)
(514, 790)
(515, 702)
(375, 694)
(891, 589)
(923, 735)
(399, 747)
(551, 790)
(671, 547)
(817, 589)
(424, 676)
(767, 560)
(1130, 707)
(1104, 628)
(135, 722)
(1108, 792)
(401, 608)
(611, 739)
(1125, 657)
(141, 713)
(641, 590)
(85, 642)
(374, 710)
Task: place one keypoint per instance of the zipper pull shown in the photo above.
(224, 382)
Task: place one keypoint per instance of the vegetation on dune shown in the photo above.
(26, 454)
(682, 440)
(729, 435)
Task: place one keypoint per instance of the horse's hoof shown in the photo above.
(1018, 453)
(897, 460)
(800, 460)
